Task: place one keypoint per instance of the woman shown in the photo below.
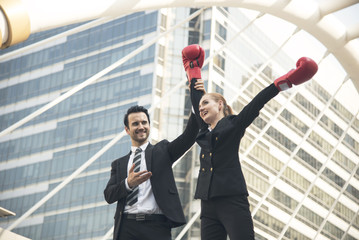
(221, 185)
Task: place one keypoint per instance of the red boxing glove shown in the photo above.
(306, 68)
(193, 58)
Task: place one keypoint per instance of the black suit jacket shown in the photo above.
(159, 160)
(220, 170)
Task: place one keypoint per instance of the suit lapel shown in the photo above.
(148, 156)
(204, 139)
(122, 165)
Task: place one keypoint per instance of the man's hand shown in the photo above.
(136, 178)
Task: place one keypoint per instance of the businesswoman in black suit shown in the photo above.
(221, 185)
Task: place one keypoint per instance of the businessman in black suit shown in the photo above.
(142, 182)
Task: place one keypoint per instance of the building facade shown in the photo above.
(300, 156)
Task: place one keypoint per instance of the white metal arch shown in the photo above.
(315, 17)
(339, 39)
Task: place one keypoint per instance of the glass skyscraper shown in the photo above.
(300, 157)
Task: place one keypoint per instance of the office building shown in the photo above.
(300, 156)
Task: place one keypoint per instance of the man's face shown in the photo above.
(138, 128)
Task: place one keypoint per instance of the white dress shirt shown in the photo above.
(146, 202)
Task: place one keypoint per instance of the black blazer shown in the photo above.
(159, 160)
(220, 171)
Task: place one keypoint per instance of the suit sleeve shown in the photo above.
(115, 190)
(195, 99)
(183, 142)
(251, 110)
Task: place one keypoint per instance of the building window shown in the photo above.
(317, 90)
(332, 126)
(207, 30)
(294, 179)
(219, 62)
(268, 221)
(343, 161)
(156, 118)
(351, 143)
(341, 110)
(344, 212)
(293, 234)
(289, 117)
(334, 177)
(332, 231)
(163, 22)
(280, 138)
(321, 197)
(352, 191)
(159, 82)
(309, 159)
(194, 28)
(284, 199)
(221, 31)
(308, 106)
(313, 218)
(161, 54)
(320, 143)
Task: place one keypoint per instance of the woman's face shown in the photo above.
(209, 109)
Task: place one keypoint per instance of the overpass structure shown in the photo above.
(20, 18)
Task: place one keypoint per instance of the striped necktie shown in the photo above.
(132, 197)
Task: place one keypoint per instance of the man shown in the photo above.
(142, 182)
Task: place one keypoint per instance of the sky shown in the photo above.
(349, 15)
(330, 73)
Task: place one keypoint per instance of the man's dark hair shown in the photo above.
(135, 109)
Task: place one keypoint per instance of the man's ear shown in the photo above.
(127, 130)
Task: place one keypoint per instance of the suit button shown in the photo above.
(210, 154)
(211, 169)
(202, 169)
(216, 138)
(202, 155)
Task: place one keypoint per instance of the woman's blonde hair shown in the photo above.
(227, 110)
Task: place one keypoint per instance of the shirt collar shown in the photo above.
(143, 147)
